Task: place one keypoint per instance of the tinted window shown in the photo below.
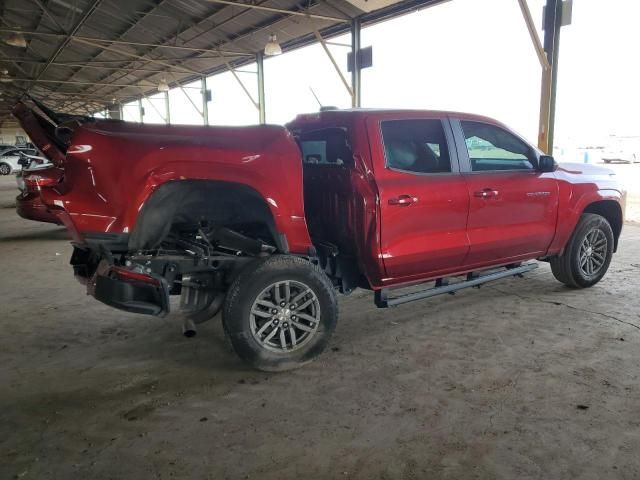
(328, 146)
(493, 148)
(416, 146)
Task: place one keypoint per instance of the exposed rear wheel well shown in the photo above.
(609, 209)
(180, 203)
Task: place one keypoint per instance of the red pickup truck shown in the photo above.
(267, 223)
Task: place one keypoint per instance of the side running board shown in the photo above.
(442, 285)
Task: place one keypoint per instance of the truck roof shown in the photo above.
(329, 115)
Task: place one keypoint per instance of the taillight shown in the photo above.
(44, 178)
(126, 274)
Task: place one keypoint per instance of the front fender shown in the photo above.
(573, 202)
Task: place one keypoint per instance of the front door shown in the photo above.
(423, 198)
(513, 206)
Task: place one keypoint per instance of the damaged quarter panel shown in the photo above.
(112, 169)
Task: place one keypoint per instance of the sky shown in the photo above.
(464, 55)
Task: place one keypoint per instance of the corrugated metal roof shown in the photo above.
(83, 53)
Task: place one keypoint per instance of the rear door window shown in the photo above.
(329, 146)
(416, 146)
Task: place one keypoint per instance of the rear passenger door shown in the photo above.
(328, 194)
(513, 206)
(423, 198)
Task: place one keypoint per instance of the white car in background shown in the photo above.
(29, 164)
(9, 159)
(621, 153)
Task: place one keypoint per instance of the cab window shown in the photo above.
(492, 148)
(415, 146)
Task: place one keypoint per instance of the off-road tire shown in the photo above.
(247, 288)
(5, 169)
(566, 267)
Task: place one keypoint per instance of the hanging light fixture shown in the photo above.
(272, 47)
(163, 86)
(16, 40)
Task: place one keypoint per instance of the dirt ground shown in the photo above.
(521, 379)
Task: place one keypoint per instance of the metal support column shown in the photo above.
(344, 80)
(356, 83)
(545, 93)
(552, 26)
(167, 109)
(205, 101)
(262, 116)
(114, 111)
(141, 110)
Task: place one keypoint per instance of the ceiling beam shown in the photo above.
(132, 25)
(49, 15)
(133, 55)
(87, 13)
(267, 26)
(177, 34)
(123, 42)
(98, 63)
(283, 11)
(77, 82)
(82, 65)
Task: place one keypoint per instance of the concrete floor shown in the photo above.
(521, 379)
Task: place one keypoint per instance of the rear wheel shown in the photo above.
(588, 254)
(5, 169)
(280, 313)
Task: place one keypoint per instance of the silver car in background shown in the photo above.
(10, 159)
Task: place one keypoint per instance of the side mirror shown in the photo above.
(546, 163)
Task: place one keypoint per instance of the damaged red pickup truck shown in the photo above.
(267, 223)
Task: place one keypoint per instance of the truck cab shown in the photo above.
(422, 194)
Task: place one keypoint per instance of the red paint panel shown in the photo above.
(426, 232)
(111, 168)
(518, 218)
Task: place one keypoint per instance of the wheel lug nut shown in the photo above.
(292, 306)
(285, 325)
(274, 311)
(282, 304)
(293, 317)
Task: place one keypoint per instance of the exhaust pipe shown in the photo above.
(189, 328)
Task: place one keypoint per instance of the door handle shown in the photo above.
(486, 193)
(403, 200)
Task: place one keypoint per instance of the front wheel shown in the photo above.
(588, 254)
(5, 169)
(280, 313)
